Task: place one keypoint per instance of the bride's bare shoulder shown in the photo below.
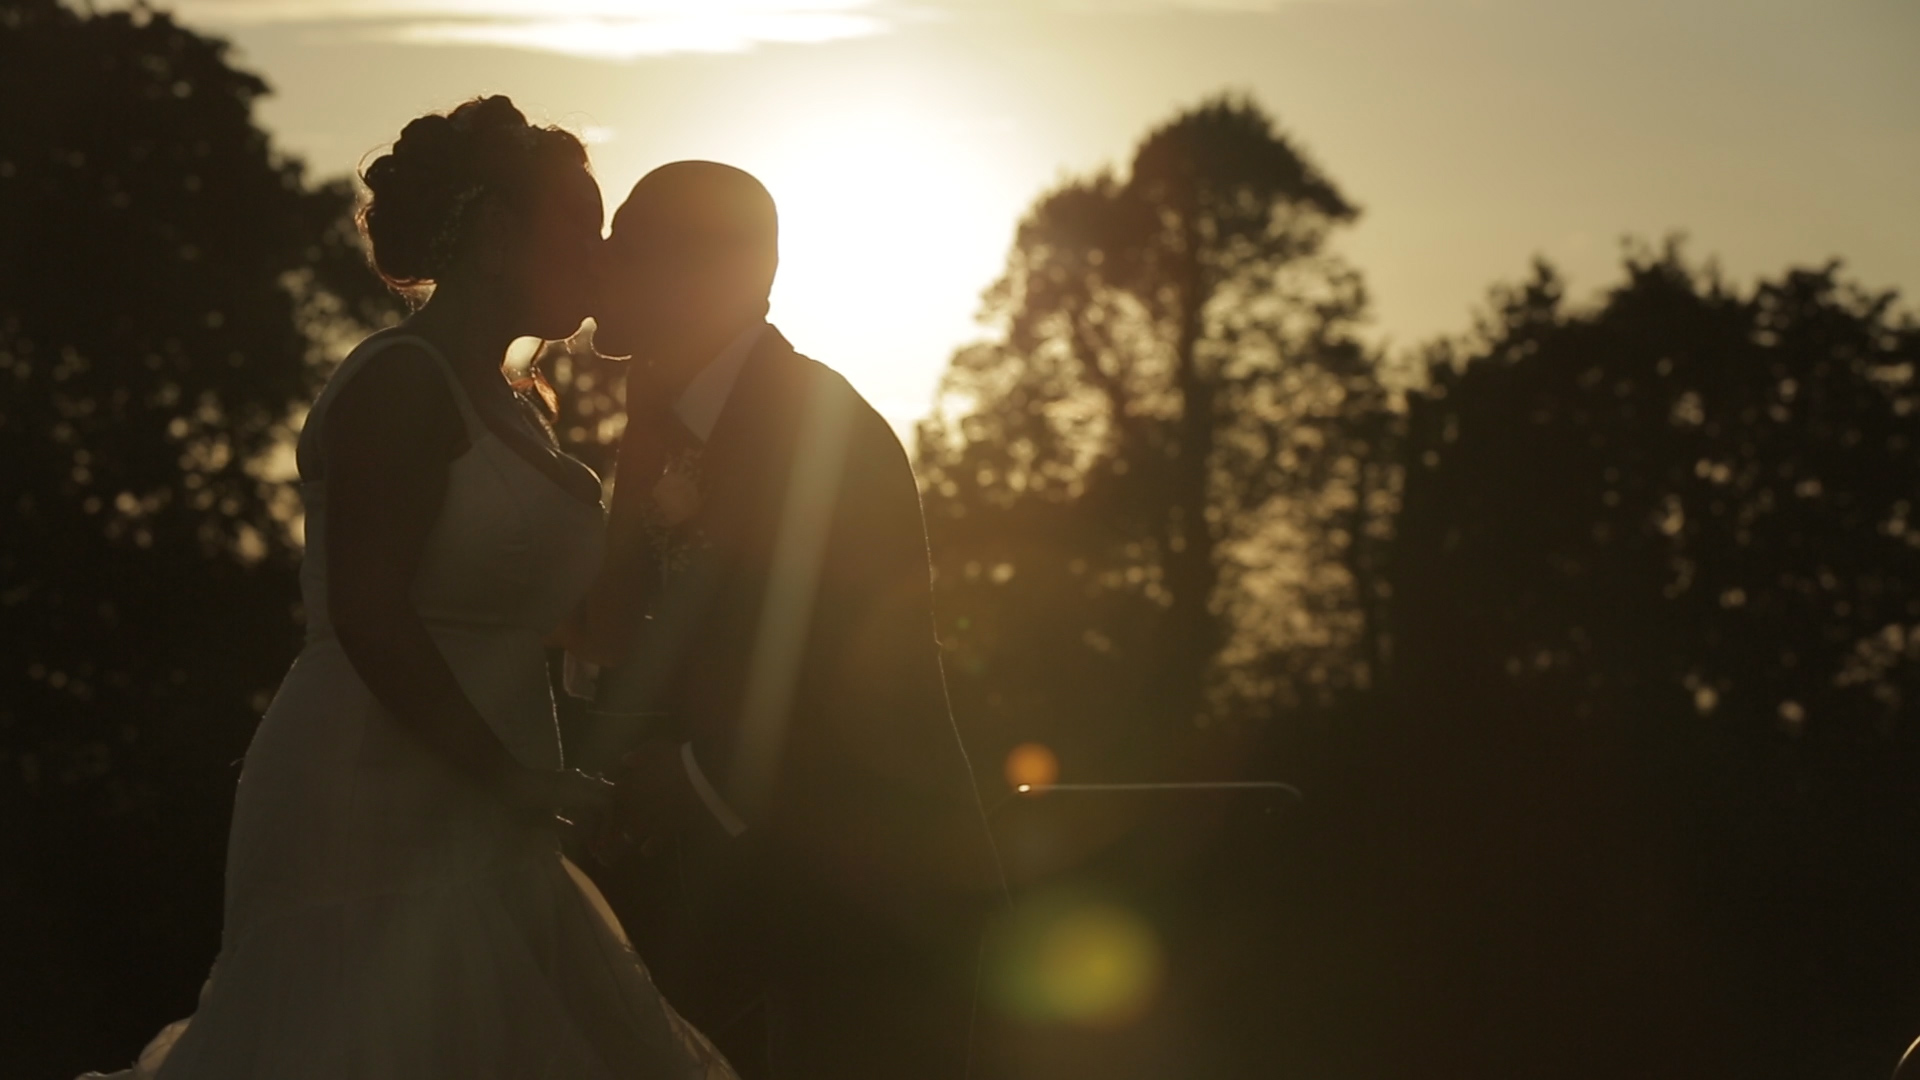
(394, 397)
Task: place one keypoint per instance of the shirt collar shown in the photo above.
(700, 404)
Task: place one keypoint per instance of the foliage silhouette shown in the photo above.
(1599, 649)
(1654, 588)
(1155, 484)
(169, 290)
(1157, 502)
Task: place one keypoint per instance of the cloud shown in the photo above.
(1101, 7)
(263, 11)
(603, 29)
(627, 39)
(627, 29)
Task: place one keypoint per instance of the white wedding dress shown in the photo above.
(385, 919)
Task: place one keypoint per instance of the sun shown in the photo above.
(898, 197)
(885, 241)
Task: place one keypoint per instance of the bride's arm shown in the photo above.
(388, 440)
(602, 630)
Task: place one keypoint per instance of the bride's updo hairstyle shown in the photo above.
(427, 194)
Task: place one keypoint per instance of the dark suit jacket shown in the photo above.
(806, 675)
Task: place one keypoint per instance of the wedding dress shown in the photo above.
(385, 919)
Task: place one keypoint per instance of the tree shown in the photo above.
(1156, 499)
(168, 287)
(1149, 494)
(1655, 587)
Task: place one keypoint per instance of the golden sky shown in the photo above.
(903, 138)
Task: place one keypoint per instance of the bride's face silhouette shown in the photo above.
(553, 274)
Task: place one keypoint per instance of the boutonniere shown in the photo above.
(676, 495)
(673, 512)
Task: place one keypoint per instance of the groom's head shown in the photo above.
(690, 262)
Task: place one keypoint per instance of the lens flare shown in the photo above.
(1031, 765)
(1070, 960)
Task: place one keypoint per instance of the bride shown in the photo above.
(396, 902)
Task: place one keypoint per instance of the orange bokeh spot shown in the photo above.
(1031, 765)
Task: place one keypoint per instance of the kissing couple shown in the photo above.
(790, 868)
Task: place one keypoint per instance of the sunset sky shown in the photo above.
(904, 138)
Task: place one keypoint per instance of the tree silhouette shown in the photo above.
(1145, 489)
(1157, 501)
(169, 287)
(1655, 585)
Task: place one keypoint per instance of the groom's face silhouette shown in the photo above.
(690, 263)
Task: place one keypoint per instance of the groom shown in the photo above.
(809, 870)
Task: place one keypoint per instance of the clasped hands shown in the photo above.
(648, 806)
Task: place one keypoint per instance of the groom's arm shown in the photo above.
(876, 715)
(866, 761)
